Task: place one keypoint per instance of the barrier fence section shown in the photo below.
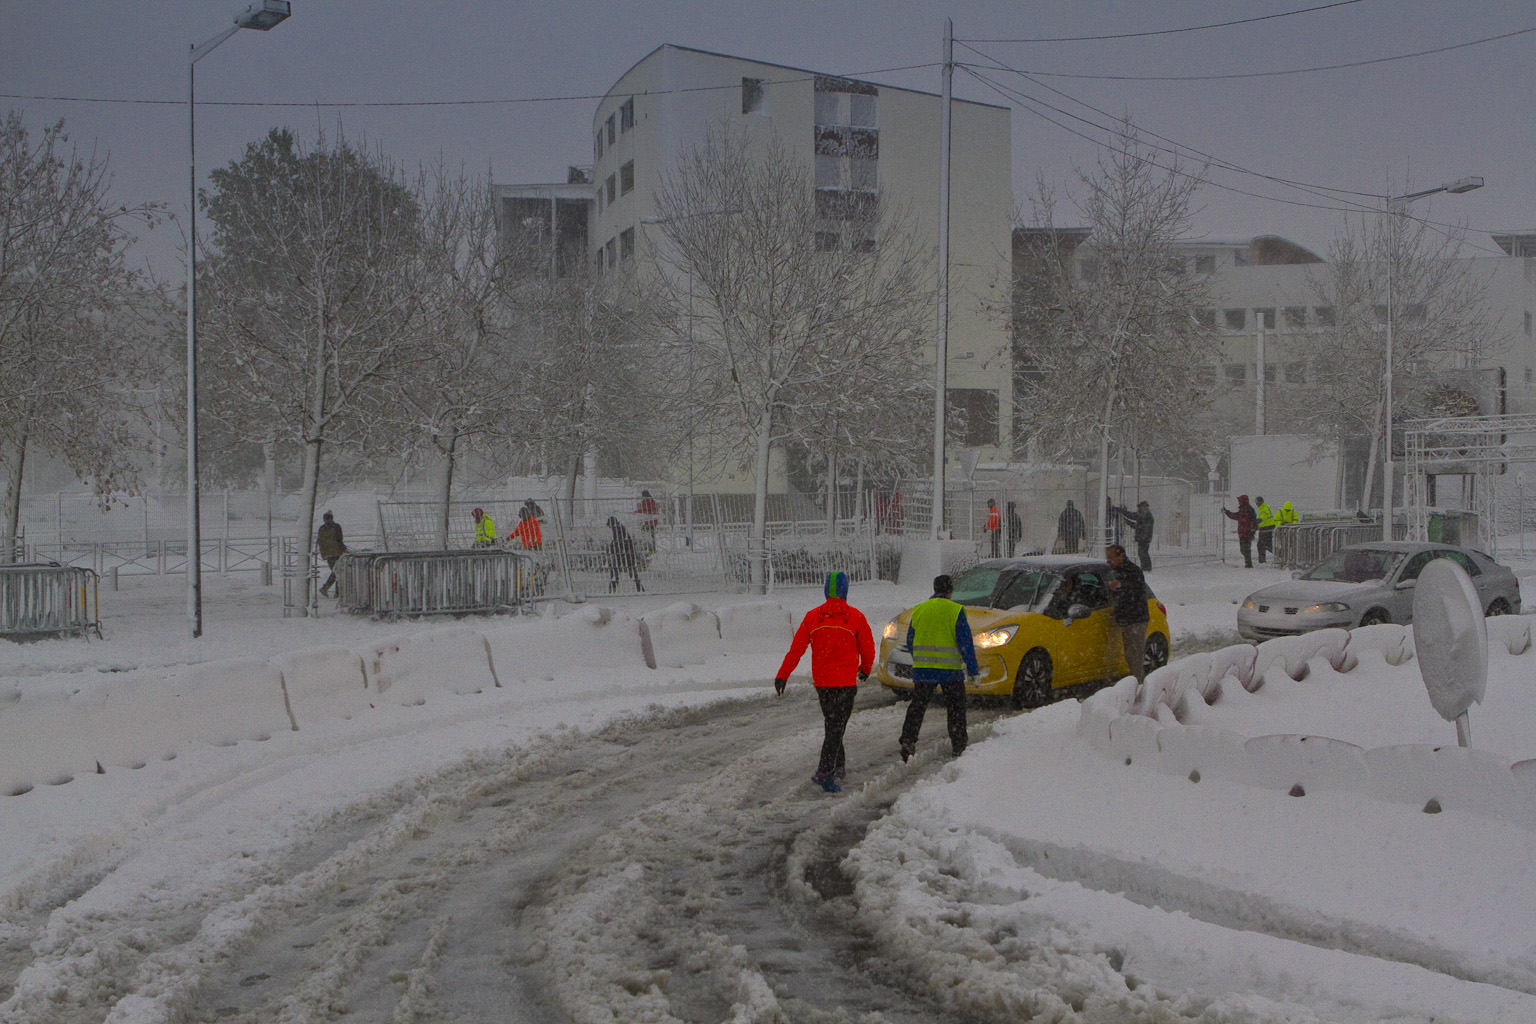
(1303, 545)
(41, 599)
(393, 584)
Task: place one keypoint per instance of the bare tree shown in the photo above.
(804, 299)
(1441, 324)
(1109, 344)
(73, 317)
(316, 287)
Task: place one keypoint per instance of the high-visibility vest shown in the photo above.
(1287, 514)
(485, 531)
(994, 520)
(933, 634)
(1266, 516)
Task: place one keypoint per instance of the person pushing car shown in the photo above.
(842, 654)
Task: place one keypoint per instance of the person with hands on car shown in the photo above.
(842, 655)
(943, 655)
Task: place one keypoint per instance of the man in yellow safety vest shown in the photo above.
(942, 655)
(1267, 524)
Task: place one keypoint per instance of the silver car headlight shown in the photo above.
(889, 632)
(1250, 605)
(1326, 606)
(995, 637)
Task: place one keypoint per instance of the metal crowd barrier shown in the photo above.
(1303, 545)
(49, 599)
(392, 584)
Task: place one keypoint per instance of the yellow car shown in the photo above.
(1040, 624)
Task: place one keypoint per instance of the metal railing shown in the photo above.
(393, 584)
(38, 600)
(1303, 545)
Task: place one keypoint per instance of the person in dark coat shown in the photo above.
(1070, 528)
(1140, 523)
(621, 557)
(328, 539)
(1015, 528)
(1247, 520)
(1129, 588)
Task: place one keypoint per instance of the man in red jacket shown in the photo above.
(842, 653)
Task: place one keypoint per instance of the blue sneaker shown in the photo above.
(826, 782)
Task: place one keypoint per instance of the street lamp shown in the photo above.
(1396, 205)
(261, 15)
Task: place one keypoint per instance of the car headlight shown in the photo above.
(1326, 606)
(889, 632)
(1249, 605)
(995, 637)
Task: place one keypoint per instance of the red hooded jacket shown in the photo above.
(840, 642)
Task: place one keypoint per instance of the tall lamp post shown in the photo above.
(1396, 205)
(261, 15)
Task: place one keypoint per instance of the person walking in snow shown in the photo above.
(1015, 528)
(1247, 522)
(1141, 522)
(994, 527)
(648, 508)
(842, 654)
(944, 656)
(1070, 528)
(621, 557)
(328, 540)
(527, 532)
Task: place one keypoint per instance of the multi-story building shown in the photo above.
(856, 139)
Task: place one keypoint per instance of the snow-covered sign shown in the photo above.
(1450, 639)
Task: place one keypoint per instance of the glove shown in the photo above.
(970, 679)
(778, 686)
(863, 677)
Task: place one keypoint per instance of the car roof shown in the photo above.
(1052, 563)
(1401, 545)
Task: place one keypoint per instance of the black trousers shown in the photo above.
(331, 564)
(1266, 541)
(954, 696)
(1245, 544)
(836, 709)
(997, 542)
(1144, 555)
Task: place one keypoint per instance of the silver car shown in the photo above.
(1365, 584)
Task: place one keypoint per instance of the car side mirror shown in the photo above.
(1078, 611)
(1406, 584)
(1296, 574)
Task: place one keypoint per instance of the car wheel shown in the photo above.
(1157, 652)
(1032, 683)
(1375, 617)
(1499, 607)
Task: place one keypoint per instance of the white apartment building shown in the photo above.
(855, 138)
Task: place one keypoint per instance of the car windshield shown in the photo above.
(1356, 565)
(1002, 587)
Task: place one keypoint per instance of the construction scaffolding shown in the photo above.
(1486, 450)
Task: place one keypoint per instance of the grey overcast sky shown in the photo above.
(1417, 121)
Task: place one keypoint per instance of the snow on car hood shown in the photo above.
(1314, 590)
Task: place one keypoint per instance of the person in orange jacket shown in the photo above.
(528, 532)
(994, 527)
(842, 654)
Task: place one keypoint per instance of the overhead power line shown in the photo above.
(1285, 71)
(575, 97)
(1164, 31)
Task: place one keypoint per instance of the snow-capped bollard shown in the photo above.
(1450, 640)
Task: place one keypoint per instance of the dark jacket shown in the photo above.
(328, 537)
(1131, 597)
(1069, 525)
(621, 549)
(1015, 524)
(1141, 525)
(1247, 520)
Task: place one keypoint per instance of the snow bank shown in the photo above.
(409, 669)
(678, 635)
(1167, 725)
(323, 682)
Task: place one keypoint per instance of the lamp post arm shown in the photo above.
(203, 49)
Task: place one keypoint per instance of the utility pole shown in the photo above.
(941, 342)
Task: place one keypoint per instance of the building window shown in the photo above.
(972, 416)
(597, 144)
(827, 241)
(829, 171)
(831, 108)
(861, 110)
(627, 177)
(1264, 319)
(1271, 372)
(627, 244)
(1206, 318)
(611, 185)
(1527, 323)
(1236, 319)
(609, 127)
(1295, 317)
(627, 115)
(752, 96)
(1237, 374)
(1205, 264)
(1326, 316)
(1295, 373)
(610, 252)
(1415, 313)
